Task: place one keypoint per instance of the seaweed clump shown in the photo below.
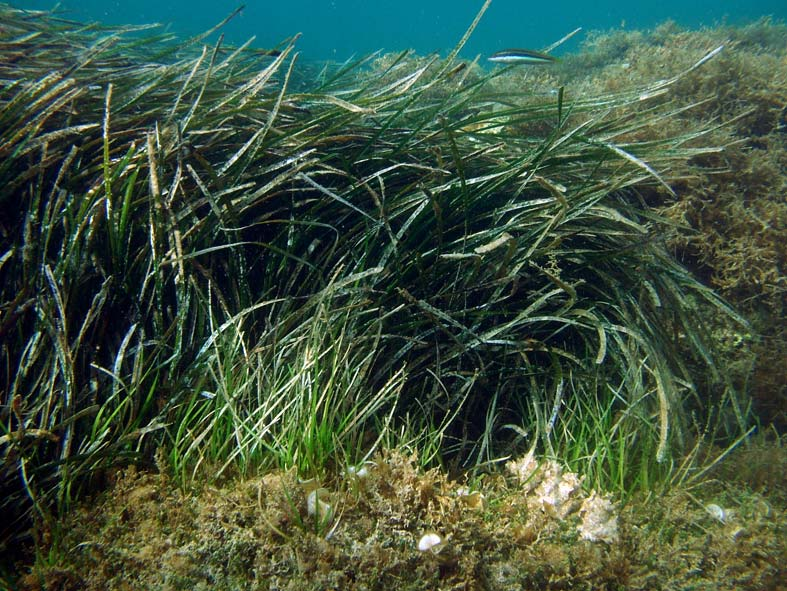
(730, 210)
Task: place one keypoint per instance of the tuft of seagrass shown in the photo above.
(487, 251)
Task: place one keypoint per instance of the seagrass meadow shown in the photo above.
(266, 324)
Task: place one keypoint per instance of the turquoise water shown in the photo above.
(338, 29)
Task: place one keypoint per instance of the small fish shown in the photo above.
(521, 56)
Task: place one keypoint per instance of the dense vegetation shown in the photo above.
(232, 261)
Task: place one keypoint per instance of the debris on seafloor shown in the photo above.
(599, 519)
(558, 493)
(430, 542)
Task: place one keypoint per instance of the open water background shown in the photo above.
(339, 29)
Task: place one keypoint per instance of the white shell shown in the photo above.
(430, 542)
(357, 471)
(717, 512)
(318, 508)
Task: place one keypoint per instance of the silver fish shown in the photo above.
(521, 56)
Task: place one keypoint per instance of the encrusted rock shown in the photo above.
(599, 519)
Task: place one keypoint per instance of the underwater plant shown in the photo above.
(197, 257)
